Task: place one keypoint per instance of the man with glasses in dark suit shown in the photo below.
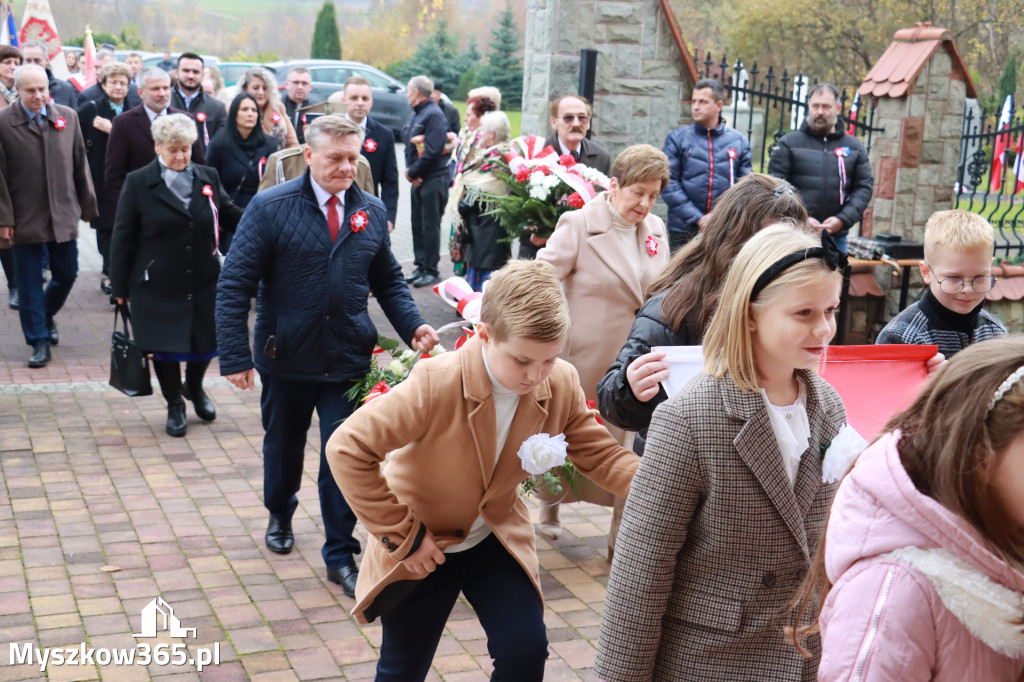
(570, 122)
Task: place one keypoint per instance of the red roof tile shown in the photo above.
(895, 71)
(864, 284)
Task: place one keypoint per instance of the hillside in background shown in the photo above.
(376, 31)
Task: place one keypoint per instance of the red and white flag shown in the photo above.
(37, 23)
(1018, 162)
(89, 69)
(1001, 145)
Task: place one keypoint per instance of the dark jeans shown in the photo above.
(7, 261)
(428, 202)
(504, 599)
(38, 306)
(679, 238)
(287, 413)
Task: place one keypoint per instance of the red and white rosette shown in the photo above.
(60, 123)
(275, 118)
(201, 117)
(732, 165)
(208, 193)
(370, 145)
(359, 221)
(652, 245)
(840, 153)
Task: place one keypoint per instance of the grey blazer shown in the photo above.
(714, 541)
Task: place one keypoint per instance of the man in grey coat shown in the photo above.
(45, 189)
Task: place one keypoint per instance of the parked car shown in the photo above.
(155, 58)
(390, 105)
(232, 72)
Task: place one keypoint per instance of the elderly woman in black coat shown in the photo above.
(95, 117)
(174, 219)
(239, 151)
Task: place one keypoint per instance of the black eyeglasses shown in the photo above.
(954, 285)
(569, 118)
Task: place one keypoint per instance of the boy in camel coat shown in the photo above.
(444, 514)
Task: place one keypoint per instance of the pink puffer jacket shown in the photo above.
(918, 594)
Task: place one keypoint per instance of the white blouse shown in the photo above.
(792, 430)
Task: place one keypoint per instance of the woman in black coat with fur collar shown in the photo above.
(239, 151)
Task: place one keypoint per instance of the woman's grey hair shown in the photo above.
(26, 68)
(497, 123)
(330, 127)
(174, 128)
(269, 82)
(422, 85)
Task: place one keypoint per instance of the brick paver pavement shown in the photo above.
(101, 512)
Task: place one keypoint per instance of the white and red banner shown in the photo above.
(37, 23)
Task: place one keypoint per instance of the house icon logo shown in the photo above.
(158, 615)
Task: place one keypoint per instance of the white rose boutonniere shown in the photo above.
(841, 453)
(541, 452)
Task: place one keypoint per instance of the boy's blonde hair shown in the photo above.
(957, 231)
(728, 343)
(524, 300)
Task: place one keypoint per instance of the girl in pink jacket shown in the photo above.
(925, 545)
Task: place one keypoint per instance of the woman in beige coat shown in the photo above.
(606, 255)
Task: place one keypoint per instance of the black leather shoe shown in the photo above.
(177, 424)
(416, 274)
(12, 299)
(426, 280)
(279, 538)
(51, 329)
(105, 285)
(201, 402)
(346, 576)
(40, 354)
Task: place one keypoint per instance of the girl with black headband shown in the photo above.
(730, 499)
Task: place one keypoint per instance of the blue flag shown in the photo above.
(12, 29)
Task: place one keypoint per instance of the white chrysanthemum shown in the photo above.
(540, 193)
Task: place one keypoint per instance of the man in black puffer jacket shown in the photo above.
(827, 166)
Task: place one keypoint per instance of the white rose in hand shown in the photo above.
(541, 452)
(841, 454)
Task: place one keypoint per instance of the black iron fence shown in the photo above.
(767, 105)
(991, 166)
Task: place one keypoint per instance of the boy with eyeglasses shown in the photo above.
(957, 268)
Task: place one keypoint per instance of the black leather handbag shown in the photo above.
(129, 366)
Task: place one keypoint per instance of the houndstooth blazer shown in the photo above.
(714, 541)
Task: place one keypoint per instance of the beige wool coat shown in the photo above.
(439, 427)
(45, 184)
(603, 289)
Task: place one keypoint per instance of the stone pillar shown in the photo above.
(915, 159)
(643, 77)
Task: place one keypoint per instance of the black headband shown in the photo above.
(828, 252)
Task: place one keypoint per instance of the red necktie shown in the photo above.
(333, 222)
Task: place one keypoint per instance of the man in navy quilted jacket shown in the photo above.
(311, 250)
(707, 157)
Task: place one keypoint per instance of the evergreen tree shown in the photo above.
(438, 57)
(1008, 81)
(505, 69)
(326, 38)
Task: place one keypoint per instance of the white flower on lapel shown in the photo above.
(842, 452)
(541, 452)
